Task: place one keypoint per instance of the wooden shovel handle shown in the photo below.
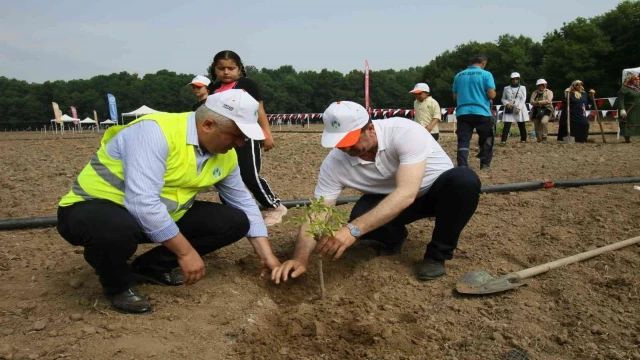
(540, 269)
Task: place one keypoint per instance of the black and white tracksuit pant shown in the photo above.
(250, 162)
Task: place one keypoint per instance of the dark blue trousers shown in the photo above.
(485, 127)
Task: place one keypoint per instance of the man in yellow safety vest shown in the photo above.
(141, 185)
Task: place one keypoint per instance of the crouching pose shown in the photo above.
(404, 176)
(141, 185)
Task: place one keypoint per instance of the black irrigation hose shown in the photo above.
(441, 131)
(48, 221)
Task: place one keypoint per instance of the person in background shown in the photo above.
(473, 90)
(141, 186)
(542, 108)
(426, 109)
(514, 99)
(199, 87)
(228, 69)
(577, 103)
(628, 105)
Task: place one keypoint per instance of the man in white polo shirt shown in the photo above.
(426, 109)
(404, 176)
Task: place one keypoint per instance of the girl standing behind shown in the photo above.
(227, 67)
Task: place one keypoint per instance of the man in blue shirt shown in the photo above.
(473, 90)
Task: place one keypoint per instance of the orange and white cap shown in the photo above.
(419, 88)
(343, 122)
(200, 81)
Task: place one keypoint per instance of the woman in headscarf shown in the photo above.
(514, 98)
(542, 109)
(576, 104)
(628, 107)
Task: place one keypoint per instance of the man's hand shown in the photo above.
(429, 128)
(268, 144)
(269, 264)
(192, 267)
(337, 244)
(282, 271)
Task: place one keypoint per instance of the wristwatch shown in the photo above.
(354, 230)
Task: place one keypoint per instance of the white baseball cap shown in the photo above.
(343, 122)
(420, 87)
(541, 81)
(200, 81)
(515, 75)
(240, 107)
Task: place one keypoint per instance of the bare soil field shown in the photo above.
(51, 305)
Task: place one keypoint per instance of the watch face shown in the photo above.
(355, 232)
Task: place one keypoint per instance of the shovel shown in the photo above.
(480, 282)
(569, 139)
(595, 105)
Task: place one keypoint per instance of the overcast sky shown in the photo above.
(52, 40)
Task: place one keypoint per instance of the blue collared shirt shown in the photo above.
(143, 149)
(471, 87)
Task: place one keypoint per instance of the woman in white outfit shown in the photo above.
(514, 98)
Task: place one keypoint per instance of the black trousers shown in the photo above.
(436, 136)
(452, 200)
(507, 127)
(250, 162)
(485, 127)
(580, 131)
(110, 236)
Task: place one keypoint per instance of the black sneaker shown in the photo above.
(129, 302)
(165, 278)
(430, 269)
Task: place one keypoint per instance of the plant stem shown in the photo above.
(323, 292)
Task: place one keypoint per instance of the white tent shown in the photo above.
(141, 111)
(88, 121)
(66, 119)
(627, 72)
(108, 122)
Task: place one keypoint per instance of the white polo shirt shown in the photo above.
(400, 141)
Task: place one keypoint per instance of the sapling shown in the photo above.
(322, 220)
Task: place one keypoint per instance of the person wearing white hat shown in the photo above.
(199, 87)
(542, 108)
(426, 109)
(514, 99)
(141, 187)
(404, 176)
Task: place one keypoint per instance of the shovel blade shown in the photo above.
(569, 140)
(480, 282)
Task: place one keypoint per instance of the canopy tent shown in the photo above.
(627, 72)
(108, 122)
(88, 121)
(141, 111)
(66, 119)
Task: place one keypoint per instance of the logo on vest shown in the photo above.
(217, 172)
(335, 124)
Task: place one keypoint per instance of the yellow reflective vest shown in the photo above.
(103, 176)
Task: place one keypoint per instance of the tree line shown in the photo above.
(594, 50)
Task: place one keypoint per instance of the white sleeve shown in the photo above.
(504, 96)
(412, 145)
(523, 100)
(328, 185)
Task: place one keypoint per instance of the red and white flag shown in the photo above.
(74, 114)
(95, 116)
(366, 86)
